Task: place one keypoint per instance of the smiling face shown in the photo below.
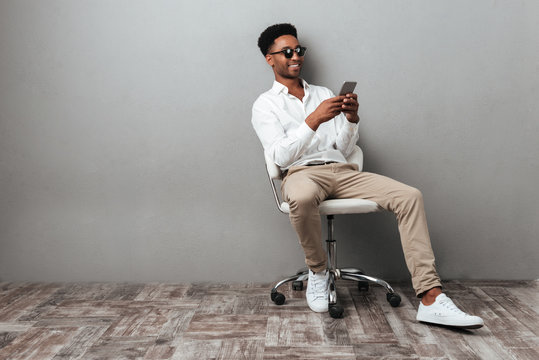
(283, 67)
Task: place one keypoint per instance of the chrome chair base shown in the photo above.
(353, 274)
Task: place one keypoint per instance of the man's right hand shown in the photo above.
(326, 111)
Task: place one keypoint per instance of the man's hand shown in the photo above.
(327, 110)
(350, 107)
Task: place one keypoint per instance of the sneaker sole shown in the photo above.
(470, 327)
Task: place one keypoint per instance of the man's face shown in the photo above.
(286, 68)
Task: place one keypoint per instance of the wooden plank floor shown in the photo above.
(238, 321)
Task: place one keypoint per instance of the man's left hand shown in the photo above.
(350, 107)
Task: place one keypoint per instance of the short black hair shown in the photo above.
(273, 32)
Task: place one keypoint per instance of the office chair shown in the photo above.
(330, 208)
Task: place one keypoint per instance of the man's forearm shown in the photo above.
(326, 111)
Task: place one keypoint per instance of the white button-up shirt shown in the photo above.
(279, 121)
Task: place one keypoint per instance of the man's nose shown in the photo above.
(295, 55)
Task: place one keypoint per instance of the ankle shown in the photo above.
(429, 297)
(319, 271)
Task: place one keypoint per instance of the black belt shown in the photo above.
(324, 163)
(284, 173)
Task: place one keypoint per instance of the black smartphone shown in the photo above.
(347, 87)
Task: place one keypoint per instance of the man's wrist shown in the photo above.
(312, 122)
(353, 119)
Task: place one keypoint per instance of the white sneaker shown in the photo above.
(444, 312)
(317, 291)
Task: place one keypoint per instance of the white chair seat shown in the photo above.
(342, 206)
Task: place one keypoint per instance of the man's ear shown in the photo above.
(269, 59)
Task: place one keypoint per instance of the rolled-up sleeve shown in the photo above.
(284, 149)
(347, 135)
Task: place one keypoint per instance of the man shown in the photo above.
(309, 132)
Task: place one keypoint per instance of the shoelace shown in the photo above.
(450, 305)
(316, 283)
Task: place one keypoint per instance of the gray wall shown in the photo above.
(126, 150)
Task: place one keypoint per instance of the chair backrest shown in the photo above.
(274, 172)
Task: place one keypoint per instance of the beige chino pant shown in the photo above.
(304, 187)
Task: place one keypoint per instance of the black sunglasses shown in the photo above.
(288, 53)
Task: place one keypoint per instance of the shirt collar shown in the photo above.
(278, 87)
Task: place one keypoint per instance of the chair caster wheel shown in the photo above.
(394, 299)
(297, 285)
(336, 311)
(363, 285)
(277, 298)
